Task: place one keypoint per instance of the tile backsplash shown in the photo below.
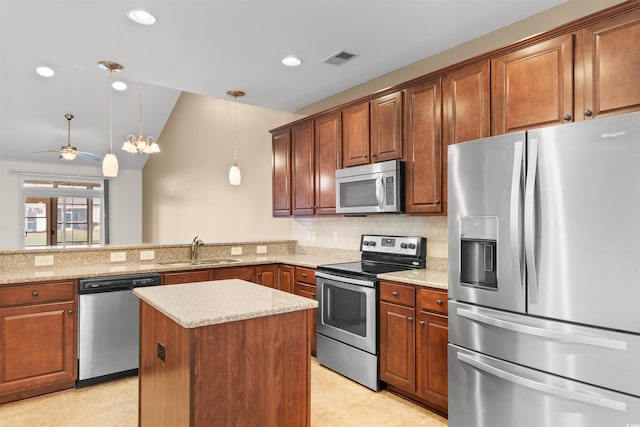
(345, 232)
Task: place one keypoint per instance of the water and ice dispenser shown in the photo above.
(478, 252)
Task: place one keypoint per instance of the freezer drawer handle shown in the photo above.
(554, 335)
(560, 392)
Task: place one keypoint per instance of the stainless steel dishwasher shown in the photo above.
(109, 326)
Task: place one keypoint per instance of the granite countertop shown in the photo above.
(193, 305)
(422, 277)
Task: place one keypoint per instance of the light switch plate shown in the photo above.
(236, 250)
(42, 260)
(261, 249)
(147, 255)
(118, 256)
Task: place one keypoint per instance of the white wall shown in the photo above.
(125, 200)
(186, 186)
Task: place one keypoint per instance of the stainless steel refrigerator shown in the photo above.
(544, 277)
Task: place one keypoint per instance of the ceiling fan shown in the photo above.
(68, 152)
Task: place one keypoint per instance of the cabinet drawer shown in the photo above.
(396, 293)
(305, 290)
(186, 277)
(37, 293)
(306, 275)
(433, 300)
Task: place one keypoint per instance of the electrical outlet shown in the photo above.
(261, 249)
(42, 260)
(236, 250)
(147, 255)
(162, 352)
(118, 256)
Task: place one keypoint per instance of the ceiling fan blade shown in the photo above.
(45, 151)
(87, 155)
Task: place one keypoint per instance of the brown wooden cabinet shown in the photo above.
(245, 272)
(413, 342)
(423, 133)
(267, 275)
(305, 285)
(328, 158)
(611, 67)
(386, 128)
(533, 87)
(355, 135)
(281, 173)
(188, 276)
(287, 279)
(302, 178)
(38, 336)
(431, 348)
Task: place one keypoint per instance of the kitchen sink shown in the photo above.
(211, 261)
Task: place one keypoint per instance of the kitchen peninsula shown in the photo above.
(225, 352)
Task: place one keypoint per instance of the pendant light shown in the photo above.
(140, 144)
(235, 177)
(110, 162)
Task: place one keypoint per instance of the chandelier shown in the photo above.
(140, 144)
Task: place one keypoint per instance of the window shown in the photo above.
(63, 213)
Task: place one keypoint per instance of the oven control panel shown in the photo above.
(397, 245)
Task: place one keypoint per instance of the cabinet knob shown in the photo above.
(410, 319)
(439, 301)
(304, 274)
(437, 202)
(313, 294)
(69, 311)
(566, 117)
(315, 207)
(372, 155)
(34, 293)
(422, 323)
(395, 293)
(365, 156)
(588, 113)
(260, 274)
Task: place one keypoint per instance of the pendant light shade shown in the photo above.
(110, 161)
(235, 177)
(110, 165)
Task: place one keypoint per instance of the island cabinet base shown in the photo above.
(247, 372)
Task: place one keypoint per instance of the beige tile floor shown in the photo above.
(335, 401)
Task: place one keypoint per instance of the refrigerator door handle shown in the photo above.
(514, 214)
(563, 393)
(529, 221)
(544, 333)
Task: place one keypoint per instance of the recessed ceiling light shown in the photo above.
(291, 61)
(45, 71)
(119, 85)
(141, 17)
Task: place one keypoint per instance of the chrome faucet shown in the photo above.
(194, 247)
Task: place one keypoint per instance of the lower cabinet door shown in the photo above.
(37, 348)
(431, 358)
(397, 345)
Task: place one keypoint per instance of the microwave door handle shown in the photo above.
(380, 192)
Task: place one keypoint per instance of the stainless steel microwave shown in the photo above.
(374, 188)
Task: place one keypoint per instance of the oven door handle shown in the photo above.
(348, 280)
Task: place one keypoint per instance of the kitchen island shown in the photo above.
(225, 352)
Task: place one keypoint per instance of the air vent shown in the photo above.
(339, 58)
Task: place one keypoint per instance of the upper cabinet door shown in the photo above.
(386, 128)
(355, 135)
(466, 101)
(303, 168)
(328, 146)
(281, 185)
(533, 87)
(612, 67)
(424, 147)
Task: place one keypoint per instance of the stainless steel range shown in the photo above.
(347, 323)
